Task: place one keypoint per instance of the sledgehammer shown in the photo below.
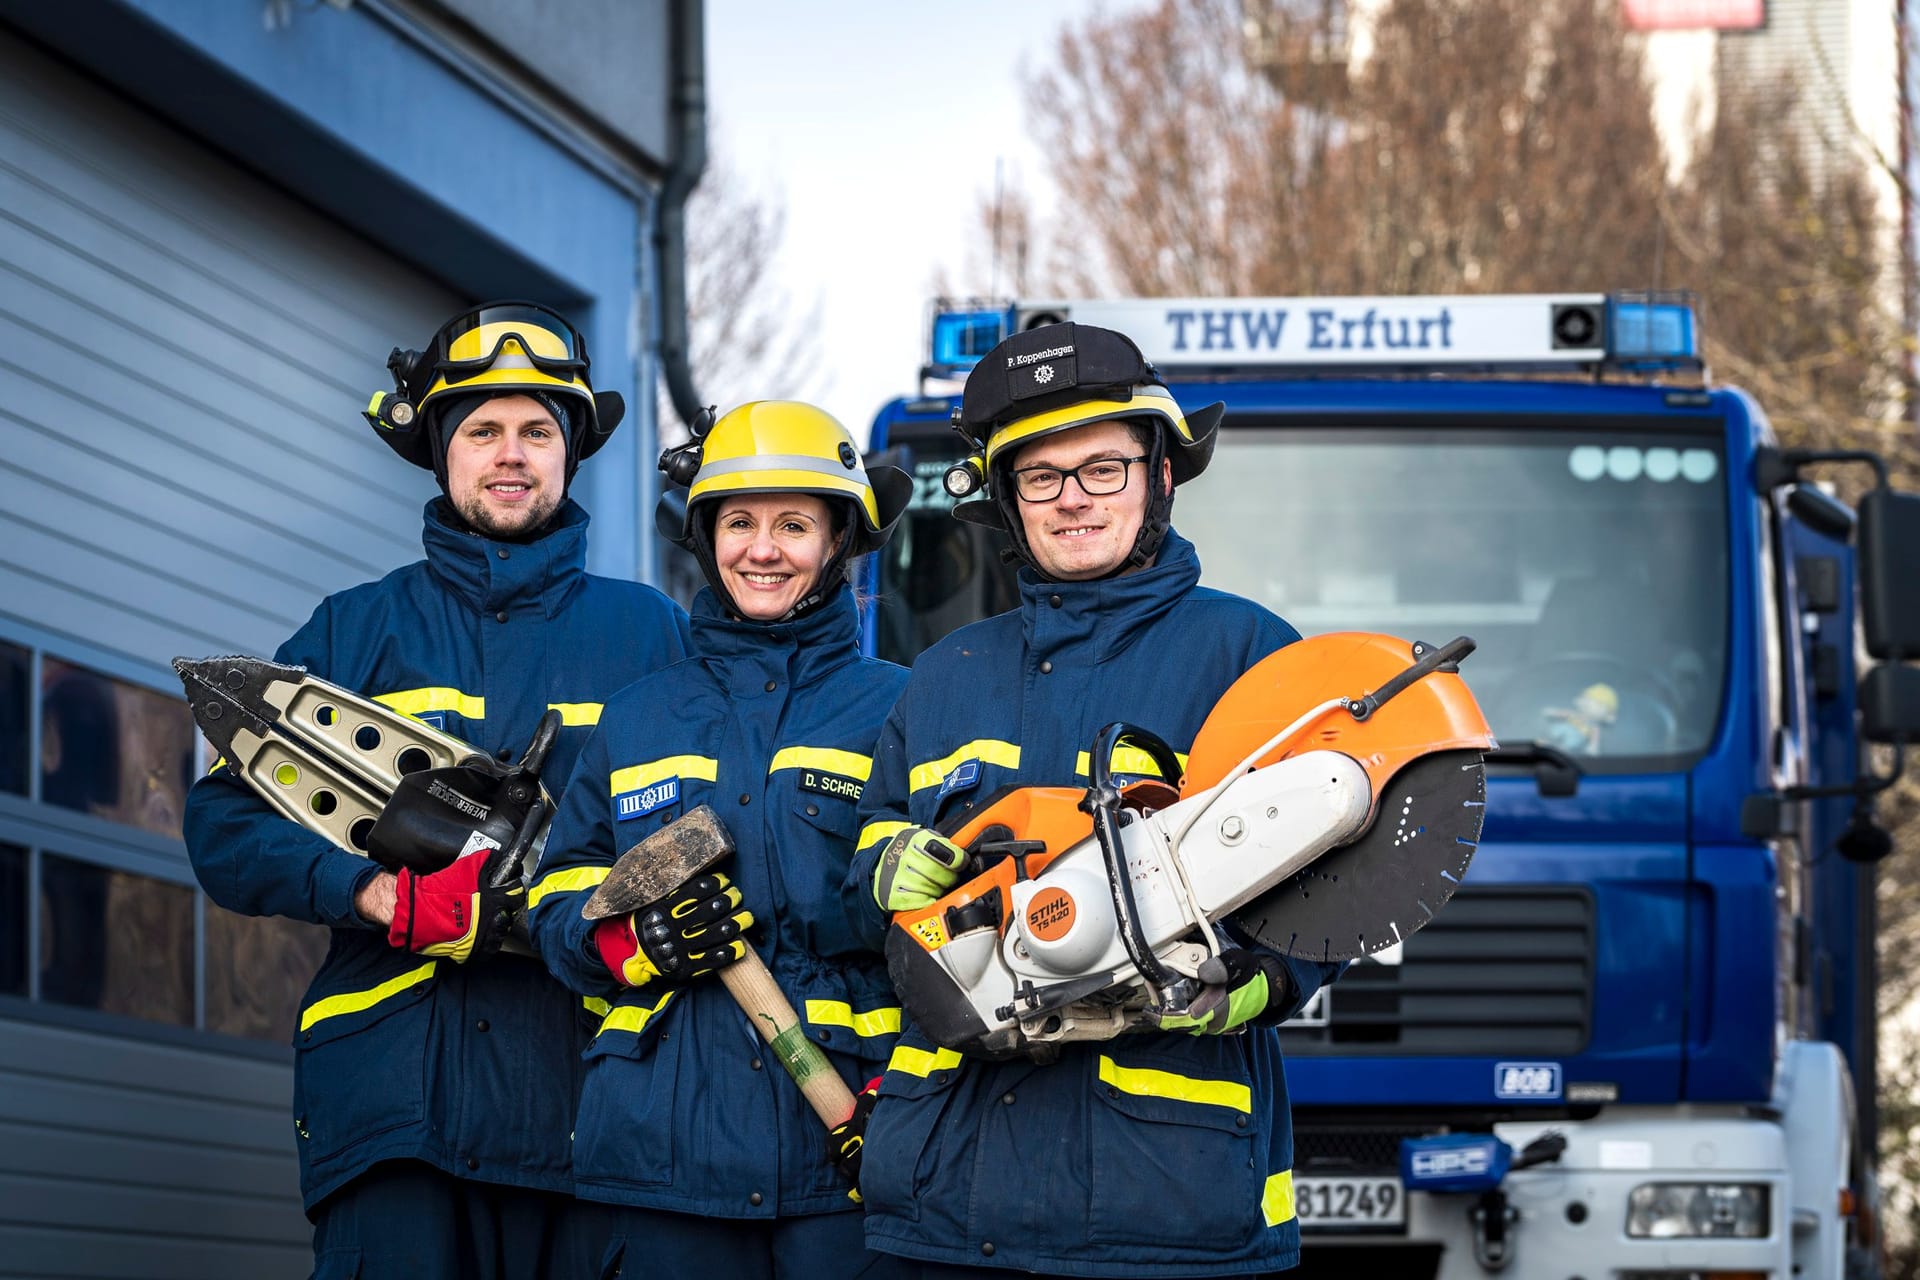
(662, 863)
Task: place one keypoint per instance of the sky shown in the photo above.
(878, 125)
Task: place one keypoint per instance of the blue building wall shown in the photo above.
(366, 115)
(215, 218)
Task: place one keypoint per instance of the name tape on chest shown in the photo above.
(820, 782)
(642, 801)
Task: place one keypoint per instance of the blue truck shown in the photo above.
(1640, 1041)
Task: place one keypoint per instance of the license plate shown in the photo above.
(1345, 1204)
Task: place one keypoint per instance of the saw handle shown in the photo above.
(1427, 661)
(765, 1005)
(1102, 802)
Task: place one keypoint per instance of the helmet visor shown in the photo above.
(507, 336)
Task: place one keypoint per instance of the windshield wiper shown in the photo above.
(1555, 771)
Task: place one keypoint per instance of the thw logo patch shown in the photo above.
(642, 801)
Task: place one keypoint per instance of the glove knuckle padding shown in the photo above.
(916, 867)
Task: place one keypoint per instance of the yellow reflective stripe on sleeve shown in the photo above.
(1276, 1202)
(596, 1006)
(884, 1021)
(356, 1001)
(217, 765)
(415, 702)
(632, 1017)
(874, 832)
(1130, 760)
(571, 880)
(985, 750)
(577, 712)
(1145, 1082)
(633, 777)
(920, 1062)
(848, 764)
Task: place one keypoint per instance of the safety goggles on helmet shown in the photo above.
(508, 335)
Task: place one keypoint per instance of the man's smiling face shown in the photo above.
(1076, 536)
(506, 467)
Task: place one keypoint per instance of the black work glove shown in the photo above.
(847, 1140)
(691, 932)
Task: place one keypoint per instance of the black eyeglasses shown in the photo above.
(1097, 479)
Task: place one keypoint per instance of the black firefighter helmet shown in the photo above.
(494, 349)
(1055, 378)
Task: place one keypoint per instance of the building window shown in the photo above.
(13, 920)
(115, 941)
(78, 927)
(114, 750)
(16, 671)
(257, 969)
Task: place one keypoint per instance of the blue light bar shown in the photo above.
(1652, 329)
(960, 338)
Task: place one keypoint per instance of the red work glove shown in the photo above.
(455, 911)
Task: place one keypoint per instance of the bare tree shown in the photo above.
(1231, 147)
(1484, 145)
(750, 340)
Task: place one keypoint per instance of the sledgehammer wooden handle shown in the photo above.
(766, 1006)
(674, 855)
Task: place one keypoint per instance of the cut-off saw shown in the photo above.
(1328, 809)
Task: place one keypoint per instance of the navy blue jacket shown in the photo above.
(773, 725)
(473, 1068)
(1151, 1154)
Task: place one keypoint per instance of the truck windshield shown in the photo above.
(936, 573)
(1590, 566)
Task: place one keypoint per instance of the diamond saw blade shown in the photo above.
(1371, 894)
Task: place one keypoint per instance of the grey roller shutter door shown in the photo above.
(184, 351)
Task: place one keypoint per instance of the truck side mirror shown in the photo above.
(1889, 589)
(1890, 704)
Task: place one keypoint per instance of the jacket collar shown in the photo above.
(1109, 613)
(536, 576)
(827, 637)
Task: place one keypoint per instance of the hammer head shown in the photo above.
(661, 863)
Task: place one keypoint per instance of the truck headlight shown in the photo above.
(1678, 1210)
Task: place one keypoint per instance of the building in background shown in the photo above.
(215, 220)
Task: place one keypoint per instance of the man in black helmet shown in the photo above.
(1162, 1153)
(435, 1077)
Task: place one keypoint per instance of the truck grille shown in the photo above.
(1502, 970)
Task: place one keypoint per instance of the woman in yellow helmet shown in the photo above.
(709, 1156)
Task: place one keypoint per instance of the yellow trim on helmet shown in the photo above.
(1149, 400)
(523, 378)
(778, 480)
